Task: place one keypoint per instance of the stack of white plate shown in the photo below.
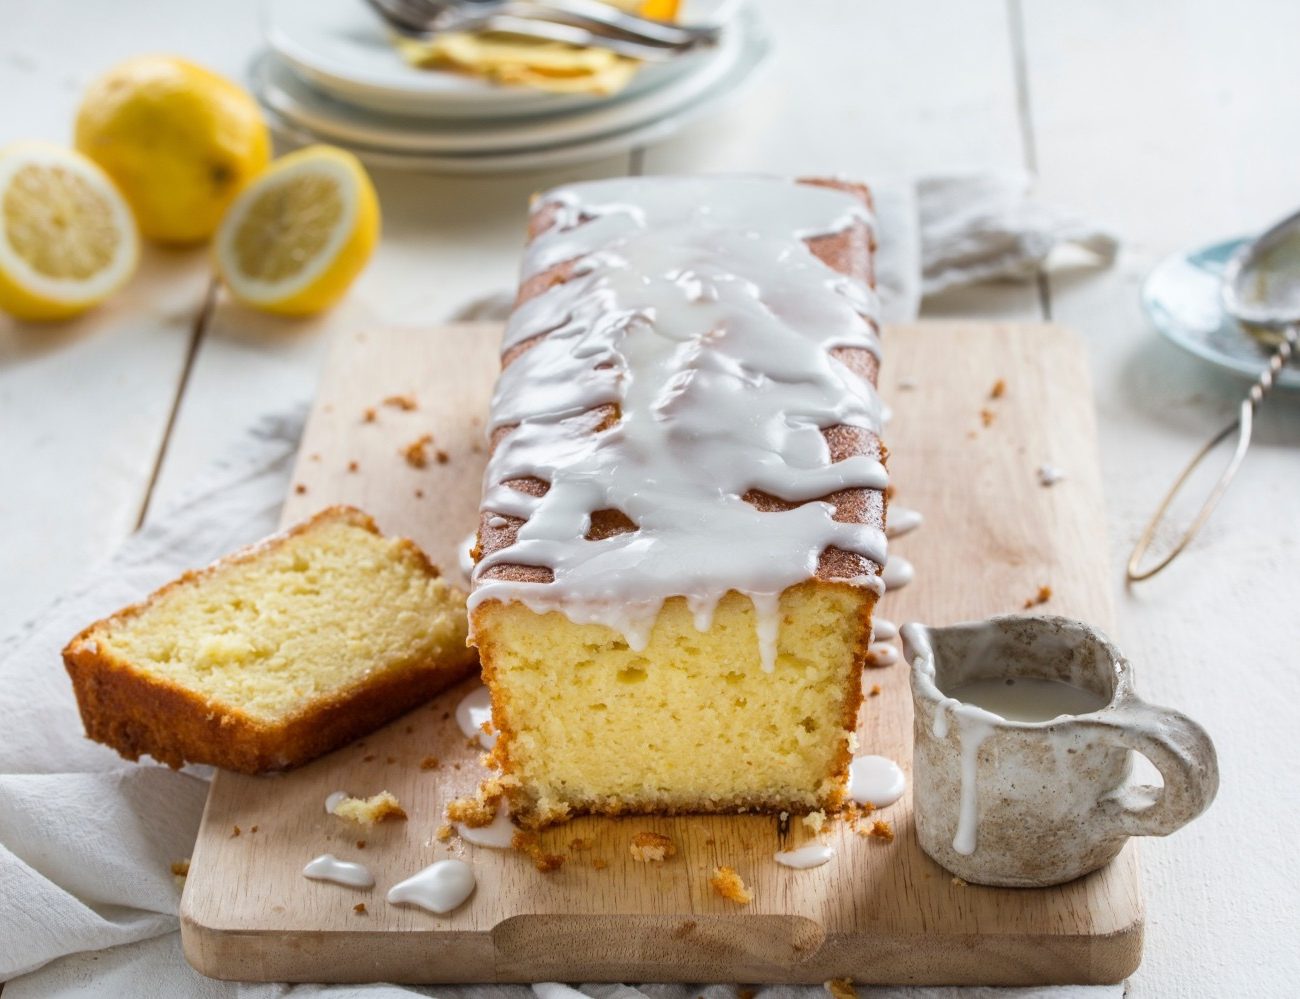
(331, 74)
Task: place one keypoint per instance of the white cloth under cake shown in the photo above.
(87, 900)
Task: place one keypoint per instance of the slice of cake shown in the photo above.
(275, 654)
(682, 528)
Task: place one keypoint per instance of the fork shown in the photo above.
(583, 23)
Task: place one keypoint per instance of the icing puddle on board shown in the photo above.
(439, 888)
(328, 867)
(498, 834)
(805, 857)
(875, 780)
(473, 712)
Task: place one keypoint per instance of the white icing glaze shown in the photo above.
(901, 520)
(328, 867)
(974, 725)
(498, 834)
(1049, 475)
(1028, 698)
(882, 654)
(473, 712)
(696, 308)
(898, 573)
(883, 630)
(875, 780)
(812, 855)
(497, 522)
(464, 556)
(332, 802)
(440, 887)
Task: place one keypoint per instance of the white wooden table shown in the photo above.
(1174, 121)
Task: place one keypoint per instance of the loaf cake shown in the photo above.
(275, 654)
(682, 528)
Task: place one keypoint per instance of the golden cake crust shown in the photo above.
(138, 713)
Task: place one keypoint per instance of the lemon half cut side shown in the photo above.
(294, 240)
(67, 237)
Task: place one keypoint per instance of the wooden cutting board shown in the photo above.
(878, 913)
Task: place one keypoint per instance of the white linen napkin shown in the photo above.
(87, 900)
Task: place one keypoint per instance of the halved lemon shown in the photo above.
(67, 238)
(294, 240)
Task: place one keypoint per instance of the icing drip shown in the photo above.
(498, 834)
(695, 308)
(898, 572)
(812, 855)
(1049, 475)
(473, 712)
(328, 867)
(881, 654)
(901, 520)
(875, 780)
(974, 725)
(464, 557)
(883, 630)
(332, 802)
(440, 887)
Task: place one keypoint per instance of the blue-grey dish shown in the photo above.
(1182, 297)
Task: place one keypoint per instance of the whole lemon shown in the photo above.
(177, 139)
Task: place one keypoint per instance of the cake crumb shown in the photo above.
(405, 402)
(599, 864)
(441, 457)
(1043, 595)
(729, 885)
(841, 988)
(235, 832)
(353, 466)
(1049, 475)
(367, 758)
(300, 489)
(880, 829)
(415, 453)
(479, 810)
(874, 691)
(180, 871)
(999, 389)
(369, 415)
(253, 829)
(390, 759)
(527, 842)
(986, 417)
(381, 807)
(745, 993)
(444, 833)
(359, 908)
(651, 848)
(419, 494)
(361, 844)
(815, 821)
(578, 844)
(429, 763)
(314, 456)
(959, 883)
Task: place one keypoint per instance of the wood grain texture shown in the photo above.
(879, 913)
